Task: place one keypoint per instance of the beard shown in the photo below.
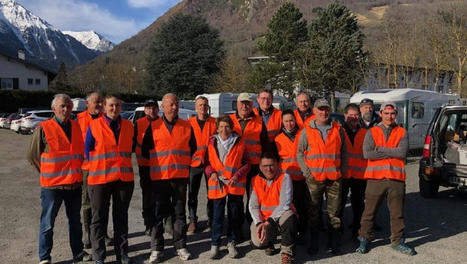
(367, 116)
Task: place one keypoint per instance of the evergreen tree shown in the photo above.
(332, 60)
(184, 58)
(60, 82)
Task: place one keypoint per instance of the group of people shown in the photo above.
(284, 161)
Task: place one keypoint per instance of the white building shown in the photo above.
(19, 74)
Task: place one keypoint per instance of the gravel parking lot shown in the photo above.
(437, 228)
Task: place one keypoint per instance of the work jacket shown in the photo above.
(202, 138)
(83, 119)
(274, 124)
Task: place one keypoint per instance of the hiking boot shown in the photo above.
(183, 254)
(214, 253)
(192, 228)
(403, 248)
(363, 246)
(155, 257)
(286, 258)
(232, 248)
(269, 251)
(83, 256)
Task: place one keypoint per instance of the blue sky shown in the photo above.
(117, 20)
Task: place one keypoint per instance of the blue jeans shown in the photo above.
(234, 215)
(51, 200)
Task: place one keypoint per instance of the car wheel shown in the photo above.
(428, 189)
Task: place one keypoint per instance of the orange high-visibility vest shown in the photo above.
(202, 138)
(287, 151)
(356, 164)
(83, 119)
(142, 125)
(391, 168)
(298, 118)
(171, 157)
(233, 162)
(269, 196)
(109, 161)
(62, 164)
(274, 124)
(324, 158)
(251, 135)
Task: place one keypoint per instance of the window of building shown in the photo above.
(30, 80)
(6, 83)
(38, 81)
(418, 110)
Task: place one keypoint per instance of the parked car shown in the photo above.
(30, 122)
(182, 113)
(444, 160)
(10, 118)
(16, 124)
(3, 118)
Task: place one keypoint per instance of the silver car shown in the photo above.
(29, 122)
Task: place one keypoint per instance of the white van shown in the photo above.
(415, 107)
(221, 103)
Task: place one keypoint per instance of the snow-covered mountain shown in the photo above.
(92, 40)
(43, 44)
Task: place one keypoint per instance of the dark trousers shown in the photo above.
(254, 170)
(147, 199)
(169, 197)
(234, 217)
(301, 201)
(357, 200)
(196, 174)
(332, 190)
(376, 191)
(100, 196)
(51, 201)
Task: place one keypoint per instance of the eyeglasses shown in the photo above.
(366, 101)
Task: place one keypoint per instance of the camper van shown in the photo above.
(222, 103)
(415, 108)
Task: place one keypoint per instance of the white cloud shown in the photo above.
(151, 3)
(76, 15)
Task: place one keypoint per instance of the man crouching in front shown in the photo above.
(272, 210)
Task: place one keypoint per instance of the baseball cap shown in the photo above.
(386, 104)
(321, 103)
(244, 97)
(366, 101)
(150, 102)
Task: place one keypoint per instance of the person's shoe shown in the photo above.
(108, 240)
(214, 253)
(286, 258)
(333, 240)
(183, 254)
(125, 259)
(403, 248)
(46, 261)
(147, 232)
(269, 251)
(232, 248)
(363, 246)
(83, 256)
(208, 225)
(155, 257)
(192, 228)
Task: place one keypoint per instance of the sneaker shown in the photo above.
(232, 248)
(192, 228)
(286, 258)
(47, 261)
(269, 251)
(403, 248)
(363, 246)
(83, 256)
(183, 254)
(156, 257)
(214, 253)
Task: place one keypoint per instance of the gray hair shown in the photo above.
(167, 95)
(88, 97)
(64, 97)
(302, 93)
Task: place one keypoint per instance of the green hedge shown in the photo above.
(11, 100)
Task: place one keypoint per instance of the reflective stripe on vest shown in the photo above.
(324, 158)
(61, 165)
(171, 156)
(356, 164)
(202, 138)
(390, 168)
(251, 135)
(109, 162)
(233, 162)
(83, 119)
(142, 125)
(287, 151)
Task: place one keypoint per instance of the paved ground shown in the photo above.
(437, 228)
